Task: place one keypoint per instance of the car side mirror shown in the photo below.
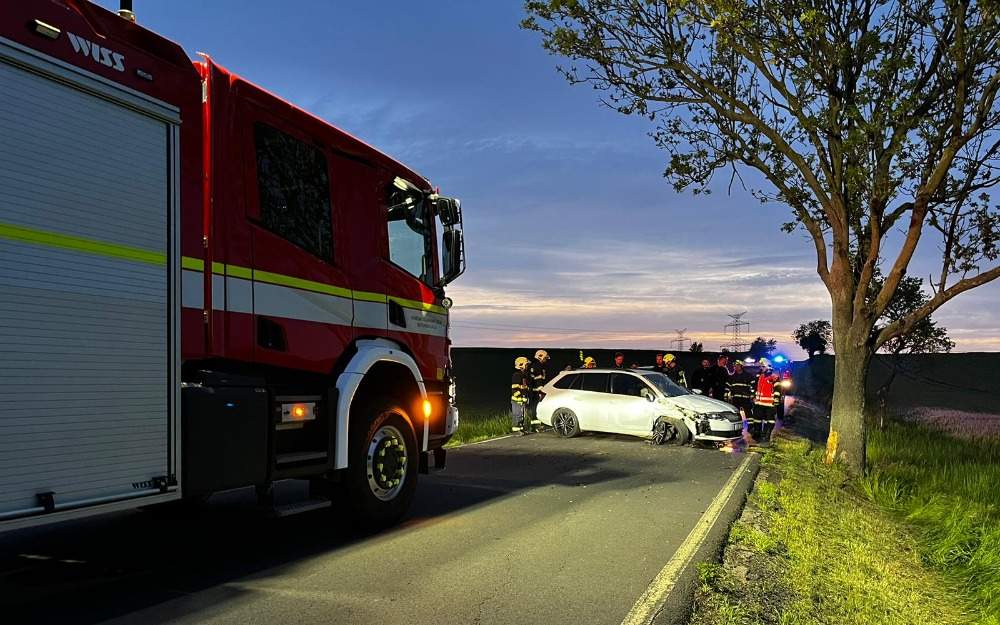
(696, 391)
(648, 394)
(453, 255)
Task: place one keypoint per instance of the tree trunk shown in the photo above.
(846, 443)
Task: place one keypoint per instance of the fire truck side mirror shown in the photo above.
(453, 255)
(449, 210)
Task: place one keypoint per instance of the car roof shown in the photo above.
(609, 370)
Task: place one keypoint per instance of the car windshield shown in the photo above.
(666, 386)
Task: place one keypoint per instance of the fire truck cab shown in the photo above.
(204, 287)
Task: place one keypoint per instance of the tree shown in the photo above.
(925, 337)
(762, 348)
(863, 117)
(697, 347)
(814, 336)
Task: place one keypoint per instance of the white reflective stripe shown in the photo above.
(282, 301)
(192, 293)
(247, 296)
(370, 314)
(240, 294)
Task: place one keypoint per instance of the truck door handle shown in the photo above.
(396, 315)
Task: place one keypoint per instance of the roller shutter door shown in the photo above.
(85, 324)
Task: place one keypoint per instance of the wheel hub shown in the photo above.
(387, 460)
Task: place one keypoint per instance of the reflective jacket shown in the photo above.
(677, 375)
(768, 390)
(519, 386)
(536, 373)
(742, 386)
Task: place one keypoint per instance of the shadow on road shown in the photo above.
(92, 570)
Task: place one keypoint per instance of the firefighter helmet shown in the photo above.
(669, 358)
(589, 362)
(542, 355)
(764, 362)
(520, 362)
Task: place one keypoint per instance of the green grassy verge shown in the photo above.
(948, 490)
(813, 549)
(478, 426)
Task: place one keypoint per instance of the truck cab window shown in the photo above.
(409, 234)
(294, 190)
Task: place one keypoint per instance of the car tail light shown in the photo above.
(541, 396)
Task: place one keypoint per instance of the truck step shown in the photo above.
(299, 507)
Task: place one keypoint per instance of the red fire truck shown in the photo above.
(204, 287)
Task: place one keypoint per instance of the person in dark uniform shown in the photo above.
(674, 372)
(619, 361)
(660, 365)
(720, 378)
(741, 389)
(701, 379)
(520, 389)
(538, 377)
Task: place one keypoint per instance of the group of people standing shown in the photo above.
(757, 395)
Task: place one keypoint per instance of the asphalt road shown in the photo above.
(524, 530)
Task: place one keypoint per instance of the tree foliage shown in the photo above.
(762, 348)
(863, 116)
(814, 336)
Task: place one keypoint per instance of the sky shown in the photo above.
(574, 238)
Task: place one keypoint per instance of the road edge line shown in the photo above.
(655, 596)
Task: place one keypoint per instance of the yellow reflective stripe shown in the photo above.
(365, 296)
(80, 244)
(236, 271)
(299, 283)
(414, 304)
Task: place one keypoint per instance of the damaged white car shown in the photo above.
(635, 402)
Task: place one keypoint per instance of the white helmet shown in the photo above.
(542, 355)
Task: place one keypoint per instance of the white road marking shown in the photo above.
(648, 605)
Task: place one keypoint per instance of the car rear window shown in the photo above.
(568, 381)
(597, 382)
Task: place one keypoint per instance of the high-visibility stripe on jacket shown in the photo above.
(768, 391)
(741, 386)
(519, 388)
(677, 375)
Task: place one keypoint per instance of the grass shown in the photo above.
(948, 490)
(476, 426)
(816, 547)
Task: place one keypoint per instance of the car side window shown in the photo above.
(567, 381)
(596, 382)
(623, 384)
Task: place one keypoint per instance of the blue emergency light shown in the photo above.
(779, 358)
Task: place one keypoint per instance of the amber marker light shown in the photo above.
(427, 409)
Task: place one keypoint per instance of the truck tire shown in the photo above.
(382, 464)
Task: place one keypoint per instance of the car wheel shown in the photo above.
(382, 470)
(671, 431)
(565, 423)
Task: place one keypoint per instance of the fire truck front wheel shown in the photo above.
(383, 463)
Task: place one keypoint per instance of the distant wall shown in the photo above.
(968, 381)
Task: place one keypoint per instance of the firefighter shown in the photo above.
(720, 377)
(767, 395)
(674, 372)
(538, 377)
(660, 365)
(520, 388)
(701, 379)
(741, 390)
(619, 361)
(589, 363)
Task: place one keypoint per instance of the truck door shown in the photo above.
(414, 314)
(301, 300)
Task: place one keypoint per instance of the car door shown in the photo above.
(628, 411)
(590, 407)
